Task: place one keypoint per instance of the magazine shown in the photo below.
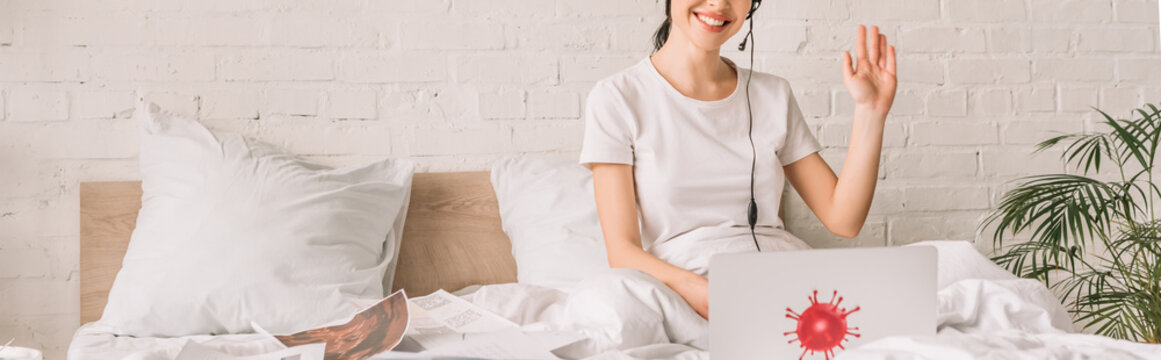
(374, 330)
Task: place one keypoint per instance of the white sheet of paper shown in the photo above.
(449, 313)
(194, 351)
(447, 325)
(442, 319)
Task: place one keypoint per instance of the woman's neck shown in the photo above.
(696, 73)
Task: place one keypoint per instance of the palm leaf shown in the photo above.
(1126, 140)
(1063, 208)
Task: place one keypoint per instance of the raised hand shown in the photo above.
(872, 83)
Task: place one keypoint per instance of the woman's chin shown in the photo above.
(711, 44)
(709, 41)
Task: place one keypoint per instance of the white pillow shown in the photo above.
(232, 230)
(549, 213)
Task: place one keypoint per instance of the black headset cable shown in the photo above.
(752, 210)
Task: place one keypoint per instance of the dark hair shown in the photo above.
(662, 33)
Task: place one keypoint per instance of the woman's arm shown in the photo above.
(842, 203)
(617, 210)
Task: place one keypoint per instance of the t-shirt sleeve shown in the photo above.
(800, 142)
(608, 137)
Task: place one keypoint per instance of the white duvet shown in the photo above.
(984, 312)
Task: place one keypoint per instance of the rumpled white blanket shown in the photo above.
(984, 313)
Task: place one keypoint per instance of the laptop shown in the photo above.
(814, 304)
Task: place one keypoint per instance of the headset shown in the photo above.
(749, 35)
(752, 208)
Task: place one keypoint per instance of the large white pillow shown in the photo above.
(232, 230)
(549, 213)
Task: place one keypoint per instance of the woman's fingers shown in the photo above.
(861, 44)
(873, 49)
(891, 59)
(848, 71)
(882, 51)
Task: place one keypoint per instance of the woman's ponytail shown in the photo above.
(662, 33)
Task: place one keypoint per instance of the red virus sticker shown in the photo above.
(822, 326)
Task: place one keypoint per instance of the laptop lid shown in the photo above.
(816, 303)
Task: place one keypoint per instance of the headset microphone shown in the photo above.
(753, 7)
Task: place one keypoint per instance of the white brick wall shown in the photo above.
(457, 84)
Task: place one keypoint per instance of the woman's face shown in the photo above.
(707, 24)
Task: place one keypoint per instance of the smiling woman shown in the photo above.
(686, 146)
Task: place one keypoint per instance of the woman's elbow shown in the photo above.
(847, 231)
(844, 225)
(850, 234)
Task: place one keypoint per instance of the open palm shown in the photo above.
(872, 83)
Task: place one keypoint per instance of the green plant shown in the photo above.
(1099, 241)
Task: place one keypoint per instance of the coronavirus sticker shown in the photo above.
(822, 326)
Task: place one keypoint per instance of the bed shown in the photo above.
(453, 239)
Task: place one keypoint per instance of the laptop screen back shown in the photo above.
(783, 305)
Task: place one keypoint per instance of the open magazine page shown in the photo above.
(376, 329)
(446, 325)
(444, 313)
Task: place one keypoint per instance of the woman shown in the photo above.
(668, 143)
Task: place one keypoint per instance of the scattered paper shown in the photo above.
(438, 326)
(441, 319)
(446, 325)
(451, 313)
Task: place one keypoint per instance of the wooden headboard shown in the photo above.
(451, 238)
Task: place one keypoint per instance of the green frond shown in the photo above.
(1127, 140)
(1086, 151)
(1065, 209)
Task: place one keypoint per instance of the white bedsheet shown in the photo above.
(96, 342)
(984, 313)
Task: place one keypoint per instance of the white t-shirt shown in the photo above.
(691, 160)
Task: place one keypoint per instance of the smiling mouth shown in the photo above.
(712, 21)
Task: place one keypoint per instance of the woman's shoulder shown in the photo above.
(770, 81)
(626, 81)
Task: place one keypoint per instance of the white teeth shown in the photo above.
(711, 21)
